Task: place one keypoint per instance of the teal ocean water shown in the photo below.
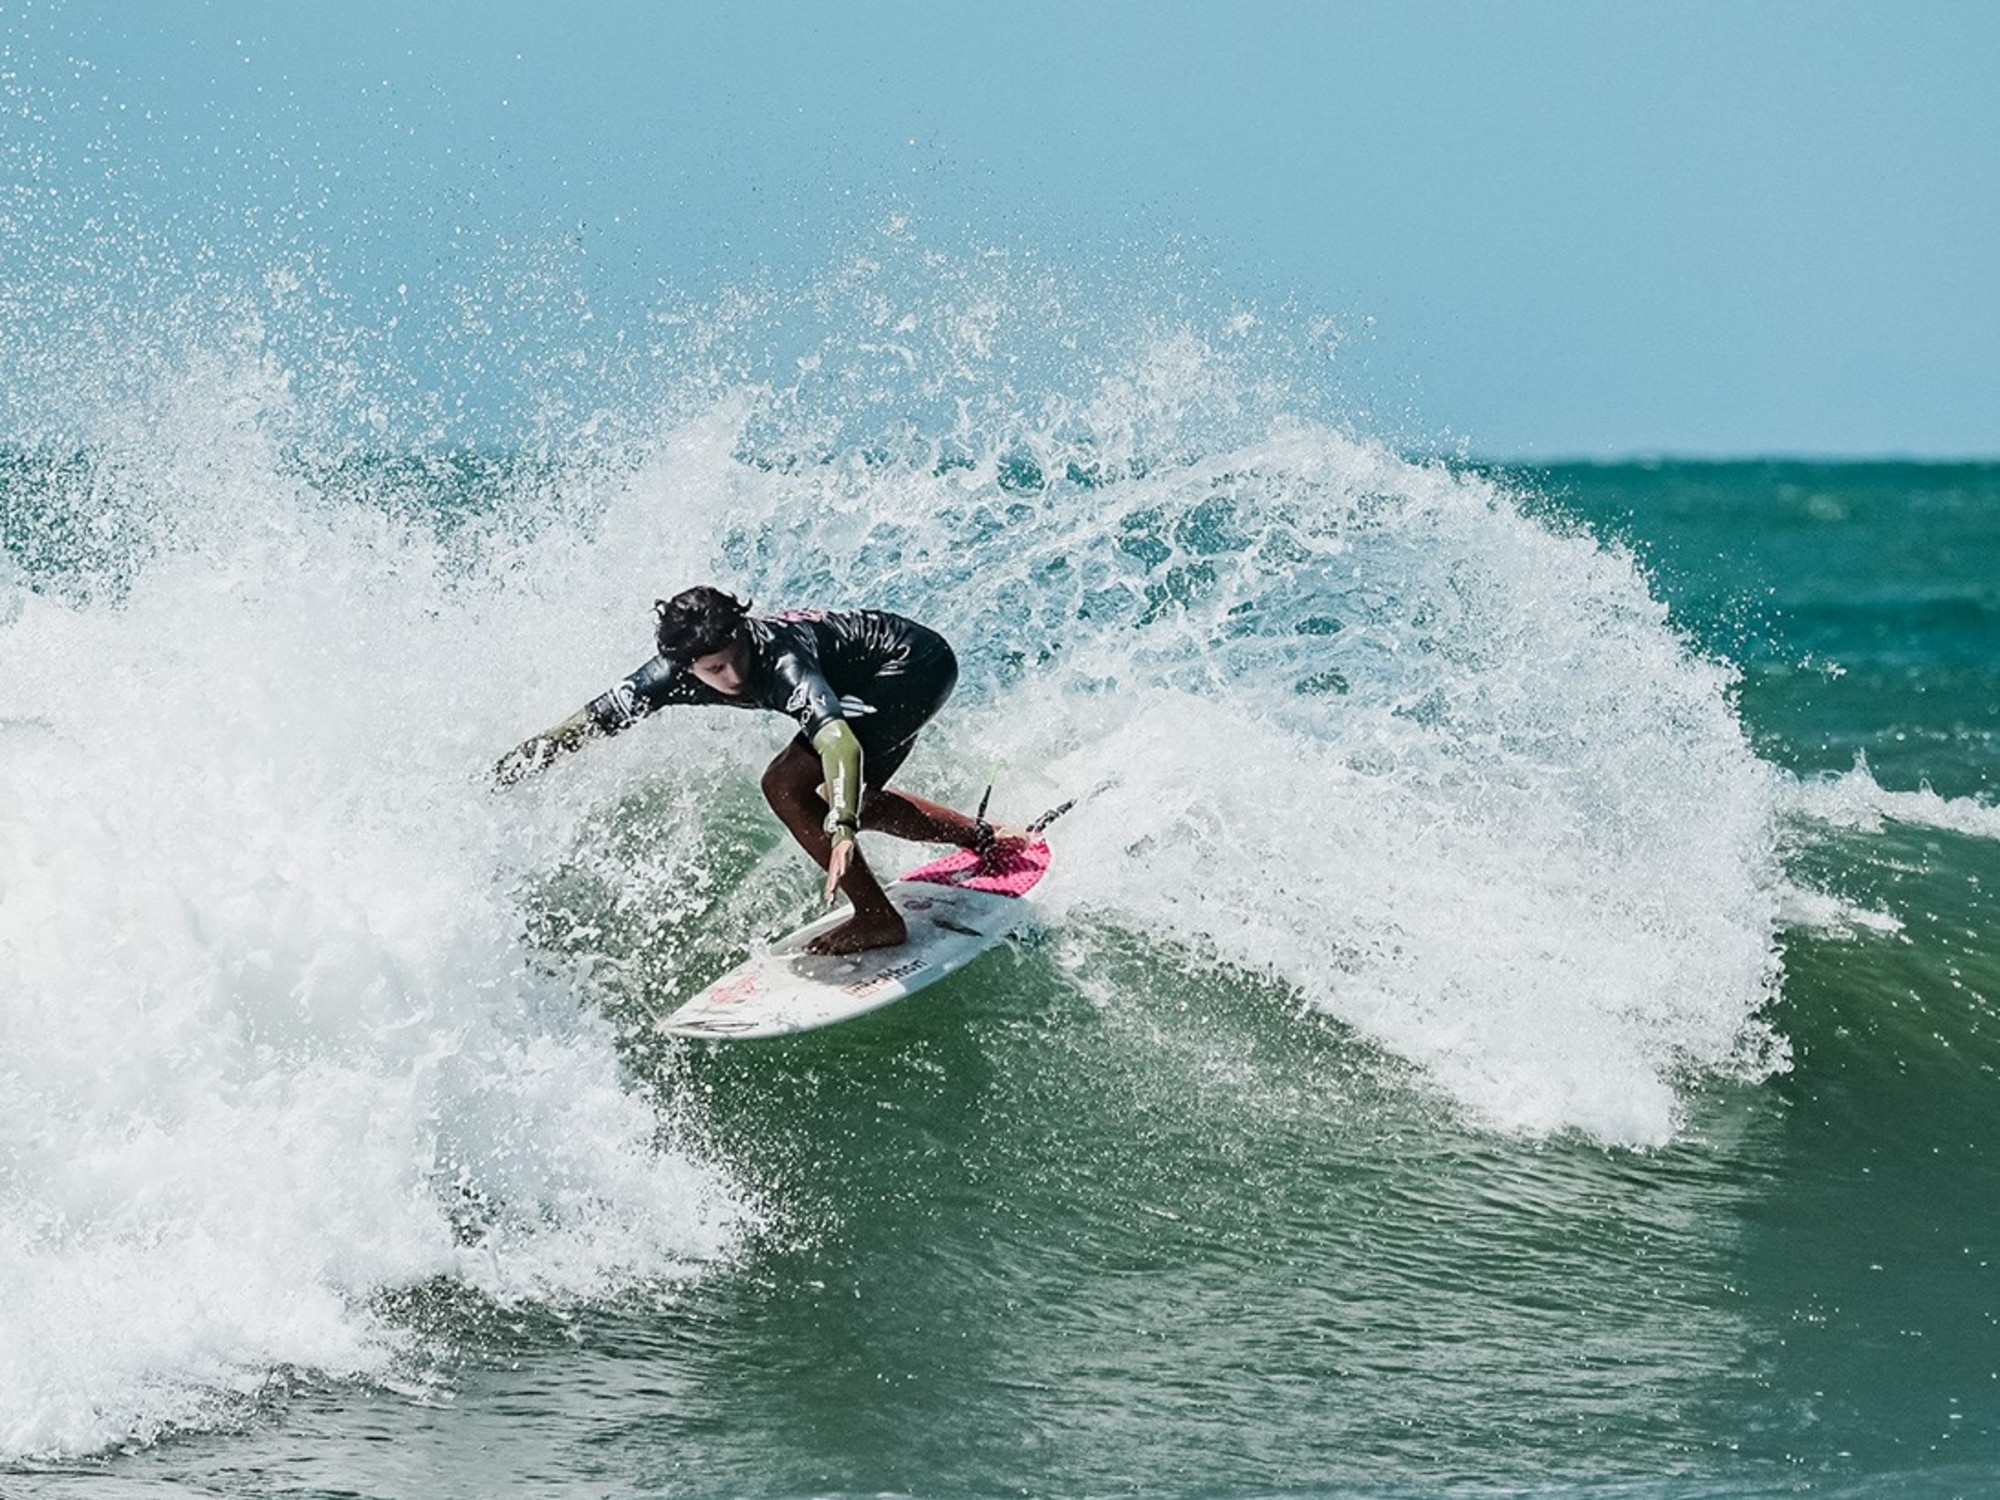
(1515, 1009)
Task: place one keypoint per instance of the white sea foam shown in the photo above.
(1520, 841)
(1807, 910)
(1811, 808)
(1855, 801)
(274, 1040)
(270, 1040)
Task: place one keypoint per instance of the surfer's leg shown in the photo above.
(903, 816)
(792, 787)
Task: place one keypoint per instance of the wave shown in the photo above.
(284, 1021)
(1357, 724)
(1855, 801)
(272, 1040)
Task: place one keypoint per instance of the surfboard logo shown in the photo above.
(735, 991)
(866, 987)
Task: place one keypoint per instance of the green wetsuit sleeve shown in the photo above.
(534, 754)
(840, 759)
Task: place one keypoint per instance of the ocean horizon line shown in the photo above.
(1646, 458)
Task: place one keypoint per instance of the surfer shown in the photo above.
(860, 683)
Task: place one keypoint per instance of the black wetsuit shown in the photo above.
(884, 675)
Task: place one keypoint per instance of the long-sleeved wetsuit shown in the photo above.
(880, 674)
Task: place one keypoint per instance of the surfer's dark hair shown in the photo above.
(697, 622)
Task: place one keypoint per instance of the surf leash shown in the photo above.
(1035, 828)
(1062, 807)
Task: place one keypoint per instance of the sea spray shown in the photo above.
(1855, 800)
(271, 1040)
(1358, 723)
(298, 1010)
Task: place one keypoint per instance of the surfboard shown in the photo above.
(956, 908)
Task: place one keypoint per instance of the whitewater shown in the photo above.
(305, 1028)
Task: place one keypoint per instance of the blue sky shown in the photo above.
(1549, 228)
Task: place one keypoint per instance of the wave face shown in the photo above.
(299, 1016)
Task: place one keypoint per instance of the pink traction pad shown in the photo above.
(1004, 872)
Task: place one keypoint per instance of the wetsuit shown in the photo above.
(883, 675)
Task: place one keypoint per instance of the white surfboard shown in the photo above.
(956, 908)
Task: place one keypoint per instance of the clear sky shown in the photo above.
(1553, 228)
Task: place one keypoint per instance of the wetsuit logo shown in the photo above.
(800, 703)
(617, 709)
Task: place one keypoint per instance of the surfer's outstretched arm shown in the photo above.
(532, 755)
(653, 686)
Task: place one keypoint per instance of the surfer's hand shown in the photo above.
(534, 754)
(1006, 836)
(512, 766)
(523, 758)
(836, 865)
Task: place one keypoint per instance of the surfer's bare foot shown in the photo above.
(858, 935)
(997, 838)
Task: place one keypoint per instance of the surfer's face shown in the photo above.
(724, 670)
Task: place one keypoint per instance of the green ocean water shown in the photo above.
(1117, 1212)
(1857, 598)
